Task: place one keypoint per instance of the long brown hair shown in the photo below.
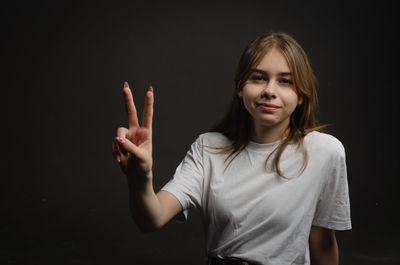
(236, 125)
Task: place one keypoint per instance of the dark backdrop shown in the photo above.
(63, 197)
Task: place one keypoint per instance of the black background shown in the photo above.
(63, 197)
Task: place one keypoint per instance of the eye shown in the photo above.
(258, 78)
(286, 81)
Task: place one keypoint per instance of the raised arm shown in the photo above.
(132, 148)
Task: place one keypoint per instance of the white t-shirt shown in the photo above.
(252, 213)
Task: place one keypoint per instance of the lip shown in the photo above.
(267, 106)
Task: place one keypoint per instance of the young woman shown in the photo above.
(271, 187)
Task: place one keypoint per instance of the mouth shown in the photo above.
(267, 106)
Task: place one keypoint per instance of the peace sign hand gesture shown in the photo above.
(132, 147)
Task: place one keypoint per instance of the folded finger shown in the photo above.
(120, 148)
(128, 146)
(122, 132)
(116, 153)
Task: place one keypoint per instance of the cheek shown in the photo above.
(248, 93)
(248, 99)
(247, 104)
(291, 99)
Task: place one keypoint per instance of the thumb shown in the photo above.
(127, 145)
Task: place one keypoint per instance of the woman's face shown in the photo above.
(269, 94)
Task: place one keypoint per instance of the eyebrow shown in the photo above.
(265, 73)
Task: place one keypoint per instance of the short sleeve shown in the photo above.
(333, 208)
(186, 184)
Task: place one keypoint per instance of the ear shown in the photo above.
(240, 94)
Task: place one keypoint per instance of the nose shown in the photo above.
(269, 90)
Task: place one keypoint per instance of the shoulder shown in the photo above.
(213, 139)
(323, 142)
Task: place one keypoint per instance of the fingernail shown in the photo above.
(151, 88)
(126, 84)
(120, 140)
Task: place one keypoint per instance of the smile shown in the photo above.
(267, 106)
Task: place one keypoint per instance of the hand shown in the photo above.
(132, 147)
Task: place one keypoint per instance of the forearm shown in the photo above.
(133, 151)
(145, 207)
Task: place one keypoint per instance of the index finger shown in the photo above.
(130, 106)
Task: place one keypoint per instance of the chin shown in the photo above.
(268, 123)
(271, 122)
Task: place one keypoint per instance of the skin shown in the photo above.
(268, 86)
(323, 246)
(132, 148)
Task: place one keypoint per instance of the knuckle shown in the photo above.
(121, 131)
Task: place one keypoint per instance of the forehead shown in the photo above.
(273, 62)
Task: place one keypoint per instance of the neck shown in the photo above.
(268, 134)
